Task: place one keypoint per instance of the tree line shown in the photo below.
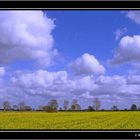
(53, 106)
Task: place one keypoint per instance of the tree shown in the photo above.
(22, 106)
(65, 105)
(28, 108)
(53, 105)
(133, 107)
(44, 108)
(74, 102)
(49, 109)
(75, 105)
(90, 108)
(6, 105)
(72, 107)
(114, 108)
(96, 104)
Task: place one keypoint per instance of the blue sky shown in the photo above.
(90, 31)
(70, 54)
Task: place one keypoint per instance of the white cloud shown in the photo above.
(128, 50)
(109, 86)
(83, 84)
(60, 84)
(52, 84)
(87, 95)
(133, 79)
(111, 80)
(120, 32)
(2, 71)
(118, 87)
(40, 82)
(129, 47)
(47, 85)
(36, 88)
(26, 35)
(87, 64)
(134, 15)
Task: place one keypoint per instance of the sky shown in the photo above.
(68, 55)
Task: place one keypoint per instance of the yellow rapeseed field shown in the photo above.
(70, 120)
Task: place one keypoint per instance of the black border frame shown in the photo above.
(70, 4)
(69, 135)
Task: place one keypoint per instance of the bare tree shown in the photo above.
(6, 105)
(65, 105)
(97, 104)
(22, 106)
(75, 105)
(53, 105)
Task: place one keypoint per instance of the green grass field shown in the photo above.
(70, 120)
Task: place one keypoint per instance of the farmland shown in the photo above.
(70, 120)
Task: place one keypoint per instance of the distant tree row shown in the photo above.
(75, 106)
(52, 106)
(20, 107)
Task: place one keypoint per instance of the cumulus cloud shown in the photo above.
(122, 87)
(111, 80)
(82, 84)
(129, 46)
(133, 79)
(134, 15)
(87, 95)
(60, 85)
(52, 84)
(109, 86)
(26, 35)
(37, 87)
(128, 50)
(40, 82)
(120, 32)
(49, 85)
(87, 64)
